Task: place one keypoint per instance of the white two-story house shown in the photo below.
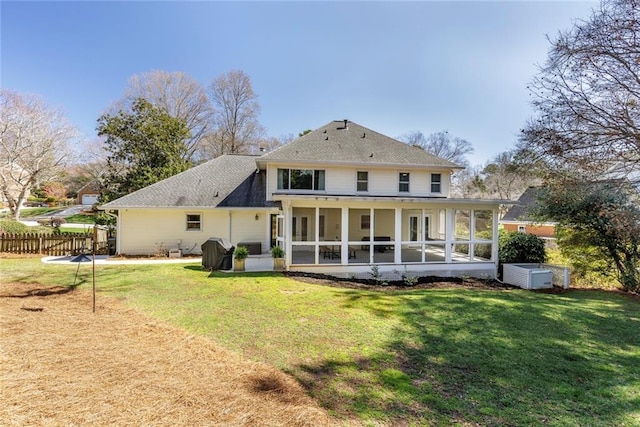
(338, 200)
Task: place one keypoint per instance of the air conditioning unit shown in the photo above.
(527, 276)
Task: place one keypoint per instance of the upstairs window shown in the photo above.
(403, 182)
(436, 183)
(301, 179)
(194, 222)
(362, 181)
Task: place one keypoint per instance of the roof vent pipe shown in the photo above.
(345, 124)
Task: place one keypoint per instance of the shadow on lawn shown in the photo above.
(493, 358)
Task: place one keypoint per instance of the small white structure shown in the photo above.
(528, 276)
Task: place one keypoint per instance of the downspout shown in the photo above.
(230, 227)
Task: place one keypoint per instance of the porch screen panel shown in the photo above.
(483, 235)
(483, 221)
(359, 231)
(384, 235)
(411, 253)
(462, 224)
(330, 228)
(435, 224)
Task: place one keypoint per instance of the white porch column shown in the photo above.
(397, 256)
(344, 237)
(494, 245)
(287, 212)
(449, 237)
(372, 228)
(316, 235)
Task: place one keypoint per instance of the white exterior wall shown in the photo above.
(245, 227)
(148, 231)
(342, 180)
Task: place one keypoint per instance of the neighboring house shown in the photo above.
(338, 200)
(89, 193)
(518, 217)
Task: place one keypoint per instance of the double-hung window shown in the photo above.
(301, 179)
(436, 183)
(194, 222)
(362, 181)
(403, 182)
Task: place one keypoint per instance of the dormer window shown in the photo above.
(403, 182)
(301, 179)
(436, 182)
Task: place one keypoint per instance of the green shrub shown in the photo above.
(516, 247)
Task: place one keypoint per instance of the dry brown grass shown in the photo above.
(61, 364)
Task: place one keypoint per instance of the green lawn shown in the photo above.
(422, 357)
(81, 219)
(31, 212)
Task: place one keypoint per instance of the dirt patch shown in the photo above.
(424, 282)
(64, 365)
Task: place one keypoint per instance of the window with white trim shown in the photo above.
(194, 222)
(301, 179)
(403, 182)
(362, 181)
(436, 182)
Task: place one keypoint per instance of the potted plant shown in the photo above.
(278, 258)
(241, 253)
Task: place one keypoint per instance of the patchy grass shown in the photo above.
(413, 357)
(32, 212)
(81, 218)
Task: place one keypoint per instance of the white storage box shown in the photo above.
(175, 253)
(527, 276)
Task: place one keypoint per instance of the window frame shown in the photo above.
(364, 181)
(317, 179)
(437, 183)
(365, 225)
(402, 184)
(193, 221)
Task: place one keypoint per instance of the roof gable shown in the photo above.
(526, 202)
(344, 142)
(205, 185)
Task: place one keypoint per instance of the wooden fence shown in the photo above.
(46, 244)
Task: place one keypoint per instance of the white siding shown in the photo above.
(148, 231)
(341, 180)
(246, 228)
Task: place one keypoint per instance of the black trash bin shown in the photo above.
(214, 253)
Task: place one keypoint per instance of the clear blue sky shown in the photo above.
(394, 67)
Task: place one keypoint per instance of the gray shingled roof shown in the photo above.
(526, 202)
(353, 144)
(205, 185)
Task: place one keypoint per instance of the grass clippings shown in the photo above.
(64, 365)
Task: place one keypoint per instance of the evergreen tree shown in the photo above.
(143, 146)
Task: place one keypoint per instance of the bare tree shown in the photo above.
(587, 95)
(506, 176)
(180, 96)
(34, 145)
(236, 118)
(441, 144)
